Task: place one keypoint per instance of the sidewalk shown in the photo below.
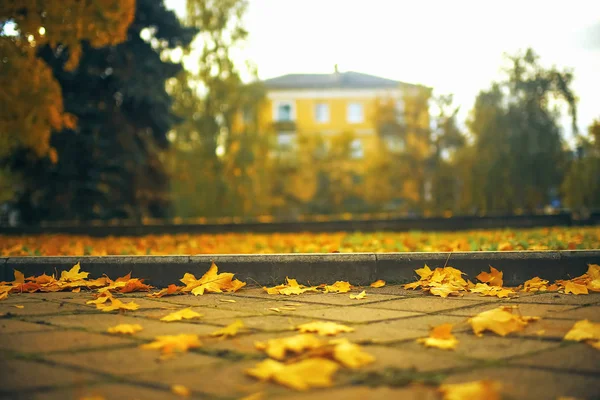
(57, 347)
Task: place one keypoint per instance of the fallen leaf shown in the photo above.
(305, 374)
(230, 330)
(117, 304)
(290, 287)
(227, 300)
(585, 330)
(535, 284)
(127, 329)
(378, 283)
(76, 290)
(324, 328)
(173, 343)
(169, 290)
(211, 282)
(276, 309)
(101, 298)
(277, 348)
(500, 320)
(349, 354)
(440, 337)
(73, 274)
(135, 285)
(575, 288)
(338, 287)
(359, 296)
(181, 390)
(19, 306)
(493, 278)
(186, 313)
(478, 390)
(495, 291)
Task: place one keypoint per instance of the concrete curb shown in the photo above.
(357, 268)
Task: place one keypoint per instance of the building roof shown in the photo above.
(336, 80)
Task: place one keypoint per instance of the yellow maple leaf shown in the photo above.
(19, 277)
(575, 288)
(126, 329)
(444, 290)
(359, 296)
(305, 374)
(173, 343)
(181, 390)
(535, 284)
(378, 283)
(324, 328)
(3, 295)
(440, 337)
(585, 330)
(101, 298)
(116, 304)
(425, 272)
(186, 313)
(338, 287)
(495, 291)
(350, 354)
(290, 287)
(230, 330)
(277, 348)
(73, 274)
(478, 390)
(500, 320)
(493, 278)
(211, 282)
(169, 290)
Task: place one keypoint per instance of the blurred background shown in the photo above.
(274, 109)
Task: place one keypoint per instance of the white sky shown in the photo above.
(453, 46)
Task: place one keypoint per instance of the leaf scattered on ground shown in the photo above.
(359, 296)
(378, 283)
(303, 375)
(291, 286)
(442, 282)
(587, 331)
(173, 343)
(230, 330)
(478, 390)
(211, 282)
(440, 337)
(492, 278)
(495, 291)
(170, 290)
(181, 390)
(279, 347)
(500, 320)
(338, 287)
(126, 329)
(186, 313)
(324, 328)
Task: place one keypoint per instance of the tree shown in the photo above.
(518, 145)
(111, 164)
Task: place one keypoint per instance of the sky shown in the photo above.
(453, 46)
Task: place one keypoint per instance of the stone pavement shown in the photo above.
(57, 347)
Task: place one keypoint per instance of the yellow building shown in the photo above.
(330, 104)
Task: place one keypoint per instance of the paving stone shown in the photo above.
(58, 340)
(226, 379)
(586, 312)
(245, 343)
(130, 361)
(547, 328)
(19, 375)
(408, 357)
(152, 328)
(354, 314)
(106, 391)
(40, 308)
(18, 298)
(570, 356)
(385, 332)
(529, 383)
(558, 298)
(493, 347)
(340, 299)
(212, 299)
(426, 322)
(11, 325)
(269, 323)
(142, 302)
(528, 309)
(427, 304)
(413, 392)
(207, 314)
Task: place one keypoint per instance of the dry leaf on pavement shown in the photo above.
(173, 343)
(302, 375)
(126, 329)
(277, 348)
(338, 287)
(585, 330)
(500, 320)
(349, 354)
(291, 286)
(494, 291)
(230, 330)
(378, 283)
(324, 328)
(440, 337)
(181, 390)
(211, 282)
(186, 313)
(172, 289)
(478, 390)
(116, 304)
(359, 296)
(440, 282)
(492, 278)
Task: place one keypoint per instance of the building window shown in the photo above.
(284, 111)
(355, 113)
(356, 149)
(322, 112)
(286, 141)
